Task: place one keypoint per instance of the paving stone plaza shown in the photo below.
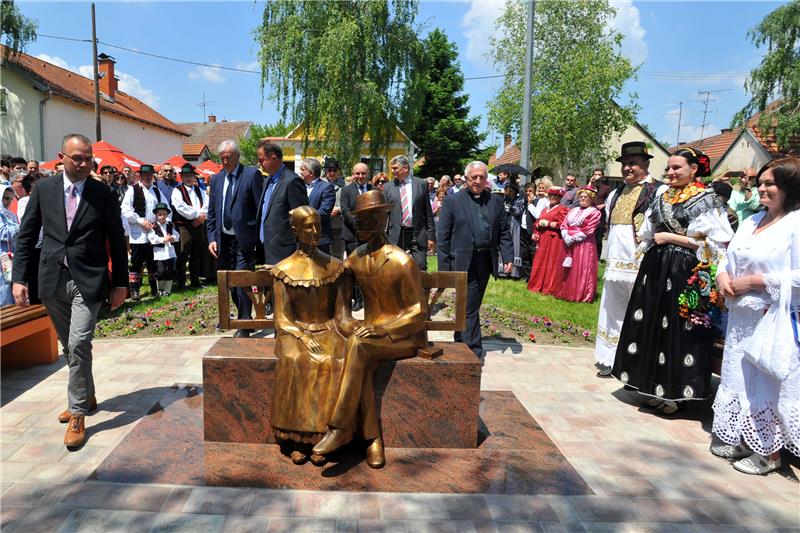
(641, 472)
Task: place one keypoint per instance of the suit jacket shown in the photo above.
(456, 232)
(421, 214)
(348, 201)
(279, 240)
(244, 210)
(323, 198)
(97, 224)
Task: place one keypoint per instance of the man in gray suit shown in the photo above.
(79, 216)
(411, 224)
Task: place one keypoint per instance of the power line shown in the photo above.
(660, 75)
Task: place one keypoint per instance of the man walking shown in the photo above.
(473, 230)
(78, 217)
(232, 224)
(411, 225)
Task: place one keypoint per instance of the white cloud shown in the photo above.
(57, 61)
(627, 22)
(209, 74)
(478, 26)
(252, 65)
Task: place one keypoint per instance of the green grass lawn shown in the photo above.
(514, 296)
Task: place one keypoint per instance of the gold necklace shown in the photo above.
(678, 195)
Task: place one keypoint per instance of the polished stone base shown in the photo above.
(514, 456)
(423, 403)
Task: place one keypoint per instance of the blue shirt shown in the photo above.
(273, 181)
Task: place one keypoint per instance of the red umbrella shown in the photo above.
(176, 161)
(105, 154)
(208, 168)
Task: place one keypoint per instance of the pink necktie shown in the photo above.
(72, 204)
(406, 205)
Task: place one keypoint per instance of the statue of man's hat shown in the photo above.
(370, 201)
(634, 148)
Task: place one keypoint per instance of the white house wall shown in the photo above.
(19, 127)
(745, 153)
(148, 143)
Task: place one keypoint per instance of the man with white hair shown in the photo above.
(472, 230)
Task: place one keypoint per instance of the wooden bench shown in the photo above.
(27, 336)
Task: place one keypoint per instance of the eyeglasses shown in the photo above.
(78, 160)
(381, 182)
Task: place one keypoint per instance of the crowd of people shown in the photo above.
(674, 269)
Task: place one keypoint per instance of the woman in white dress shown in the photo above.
(756, 414)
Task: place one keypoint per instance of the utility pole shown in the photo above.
(525, 142)
(97, 130)
(705, 106)
(680, 117)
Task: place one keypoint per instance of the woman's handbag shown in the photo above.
(7, 265)
(773, 346)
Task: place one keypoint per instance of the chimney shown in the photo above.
(725, 130)
(506, 139)
(108, 81)
(212, 118)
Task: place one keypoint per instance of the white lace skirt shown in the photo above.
(750, 405)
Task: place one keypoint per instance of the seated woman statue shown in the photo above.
(310, 295)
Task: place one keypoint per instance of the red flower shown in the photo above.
(532, 336)
(168, 323)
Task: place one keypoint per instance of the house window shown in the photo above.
(3, 102)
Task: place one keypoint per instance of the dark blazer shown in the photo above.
(421, 214)
(456, 231)
(279, 240)
(346, 204)
(97, 222)
(247, 193)
(323, 198)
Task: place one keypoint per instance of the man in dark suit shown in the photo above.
(333, 176)
(322, 197)
(283, 191)
(473, 229)
(411, 225)
(232, 223)
(79, 217)
(350, 192)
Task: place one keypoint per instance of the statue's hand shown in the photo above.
(312, 344)
(370, 331)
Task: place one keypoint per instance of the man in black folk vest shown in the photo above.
(137, 208)
(190, 208)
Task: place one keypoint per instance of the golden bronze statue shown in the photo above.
(310, 297)
(393, 328)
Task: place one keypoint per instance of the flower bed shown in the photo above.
(193, 315)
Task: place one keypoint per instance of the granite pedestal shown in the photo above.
(423, 403)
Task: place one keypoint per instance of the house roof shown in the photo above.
(194, 149)
(510, 155)
(75, 87)
(715, 146)
(212, 134)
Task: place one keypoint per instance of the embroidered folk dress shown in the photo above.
(306, 382)
(660, 353)
(750, 405)
(547, 269)
(622, 265)
(580, 280)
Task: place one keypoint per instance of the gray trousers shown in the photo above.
(74, 320)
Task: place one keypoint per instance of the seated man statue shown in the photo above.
(393, 328)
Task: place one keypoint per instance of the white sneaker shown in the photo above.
(757, 464)
(728, 451)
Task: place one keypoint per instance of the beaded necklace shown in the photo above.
(678, 195)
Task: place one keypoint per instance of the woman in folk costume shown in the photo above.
(550, 252)
(310, 291)
(664, 350)
(757, 410)
(625, 209)
(577, 230)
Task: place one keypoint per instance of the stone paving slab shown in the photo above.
(647, 473)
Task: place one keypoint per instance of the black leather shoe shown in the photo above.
(604, 372)
(268, 309)
(242, 334)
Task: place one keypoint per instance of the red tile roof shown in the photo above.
(715, 146)
(213, 133)
(510, 155)
(194, 149)
(77, 88)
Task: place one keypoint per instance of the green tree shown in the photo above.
(339, 66)
(435, 114)
(247, 146)
(578, 73)
(16, 30)
(481, 154)
(778, 75)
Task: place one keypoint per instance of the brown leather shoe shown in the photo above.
(65, 415)
(375, 456)
(76, 432)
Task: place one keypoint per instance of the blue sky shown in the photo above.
(684, 47)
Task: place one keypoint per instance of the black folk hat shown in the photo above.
(330, 162)
(634, 148)
(187, 168)
(161, 206)
(147, 168)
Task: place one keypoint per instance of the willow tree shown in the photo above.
(778, 76)
(339, 67)
(578, 74)
(16, 30)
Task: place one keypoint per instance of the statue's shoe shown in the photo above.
(298, 457)
(333, 440)
(376, 458)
